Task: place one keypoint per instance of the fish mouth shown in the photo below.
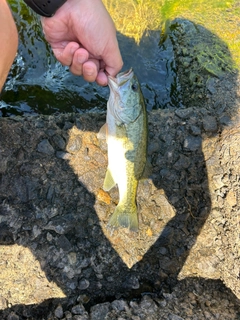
(120, 79)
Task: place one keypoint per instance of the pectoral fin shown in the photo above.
(109, 182)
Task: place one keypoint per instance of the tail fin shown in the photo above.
(124, 217)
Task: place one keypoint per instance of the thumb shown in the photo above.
(113, 63)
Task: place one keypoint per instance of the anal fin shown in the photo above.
(109, 182)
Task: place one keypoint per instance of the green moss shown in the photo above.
(218, 16)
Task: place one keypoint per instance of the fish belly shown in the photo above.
(122, 171)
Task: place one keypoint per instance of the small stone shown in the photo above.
(59, 141)
(13, 316)
(99, 311)
(78, 309)
(71, 285)
(64, 243)
(80, 317)
(50, 132)
(84, 284)
(163, 250)
(119, 305)
(39, 123)
(195, 130)
(36, 231)
(72, 258)
(45, 147)
(147, 303)
(68, 125)
(162, 303)
(63, 155)
(133, 304)
(168, 296)
(83, 298)
(192, 143)
(60, 225)
(211, 85)
(225, 119)
(207, 303)
(210, 124)
(58, 312)
(183, 113)
(183, 162)
(49, 237)
(74, 144)
(70, 273)
(132, 283)
(68, 315)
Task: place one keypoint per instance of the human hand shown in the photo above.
(8, 39)
(83, 36)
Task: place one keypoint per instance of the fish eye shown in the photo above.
(134, 87)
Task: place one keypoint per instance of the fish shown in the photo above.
(126, 136)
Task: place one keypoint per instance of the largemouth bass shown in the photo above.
(126, 131)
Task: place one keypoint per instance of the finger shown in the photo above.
(102, 79)
(80, 56)
(113, 69)
(113, 60)
(90, 70)
(65, 52)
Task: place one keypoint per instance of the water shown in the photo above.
(38, 84)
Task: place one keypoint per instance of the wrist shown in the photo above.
(45, 8)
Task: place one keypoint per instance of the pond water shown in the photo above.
(37, 83)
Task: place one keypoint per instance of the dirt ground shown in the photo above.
(58, 259)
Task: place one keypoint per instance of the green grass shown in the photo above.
(134, 17)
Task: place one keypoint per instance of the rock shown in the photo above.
(60, 142)
(63, 155)
(119, 305)
(84, 284)
(78, 309)
(74, 144)
(61, 225)
(78, 317)
(12, 316)
(58, 312)
(192, 143)
(210, 124)
(99, 311)
(64, 243)
(45, 147)
(196, 131)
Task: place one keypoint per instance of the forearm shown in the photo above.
(8, 40)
